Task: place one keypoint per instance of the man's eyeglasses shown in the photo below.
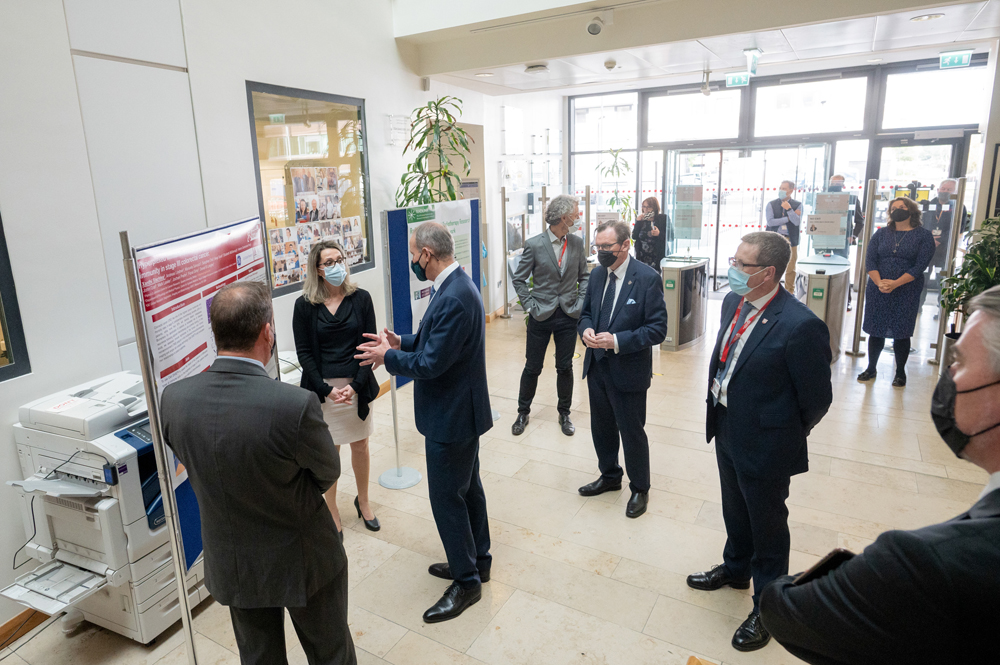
(331, 263)
(739, 265)
(606, 248)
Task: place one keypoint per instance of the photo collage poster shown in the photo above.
(317, 204)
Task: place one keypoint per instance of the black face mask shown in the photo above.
(943, 413)
(606, 257)
(899, 215)
(836, 188)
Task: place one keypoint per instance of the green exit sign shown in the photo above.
(955, 59)
(739, 80)
(669, 284)
(818, 294)
(277, 118)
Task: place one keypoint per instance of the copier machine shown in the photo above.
(91, 497)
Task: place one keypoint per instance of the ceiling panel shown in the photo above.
(898, 27)
(834, 51)
(626, 62)
(976, 35)
(731, 46)
(677, 54)
(854, 31)
(989, 17)
(898, 42)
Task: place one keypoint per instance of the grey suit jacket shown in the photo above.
(551, 290)
(259, 456)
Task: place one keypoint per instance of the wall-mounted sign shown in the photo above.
(955, 59)
(737, 80)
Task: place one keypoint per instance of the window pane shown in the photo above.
(811, 108)
(694, 117)
(927, 99)
(852, 163)
(605, 122)
(587, 170)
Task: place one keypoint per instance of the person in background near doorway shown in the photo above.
(651, 234)
(768, 386)
(784, 215)
(259, 457)
(623, 318)
(329, 321)
(837, 185)
(897, 257)
(930, 595)
(937, 218)
(556, 262)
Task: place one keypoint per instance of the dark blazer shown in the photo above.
(779, 390)
(259, 457)
(552, 290)
(639, 319)
(446, 358)
(925, 596)
(305, 329)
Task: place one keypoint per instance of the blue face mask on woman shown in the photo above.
(335, 274)
(738, 281)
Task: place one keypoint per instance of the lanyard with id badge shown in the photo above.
(733, 339)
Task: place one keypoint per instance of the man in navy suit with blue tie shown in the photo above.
(623, 318)
(769, 385)
(446, 358)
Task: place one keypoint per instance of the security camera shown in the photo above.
(610, 64)
(595, 26)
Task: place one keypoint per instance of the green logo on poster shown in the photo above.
(818, 294)
(669, 284)
(419, 214)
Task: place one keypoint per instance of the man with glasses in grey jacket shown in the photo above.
(556, 262)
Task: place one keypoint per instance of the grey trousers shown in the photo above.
(321, 626)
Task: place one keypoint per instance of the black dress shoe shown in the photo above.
(599, 486)
(517, 429)
(899, 381)
(372, 524)
(751, 635)
(567, 426)
(637, 504)
(454, 601)
(867, 375)
(714, 579)
(443, 570)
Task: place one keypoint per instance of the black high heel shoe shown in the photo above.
(372, 524)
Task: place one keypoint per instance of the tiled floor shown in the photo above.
(574, 580)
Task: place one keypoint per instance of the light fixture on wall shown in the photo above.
(705, 89)
(484, 75)
(927, 17)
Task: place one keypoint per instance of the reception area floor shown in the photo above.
(574, 580)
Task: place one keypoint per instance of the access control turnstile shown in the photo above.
(821, 282)
(685, 292)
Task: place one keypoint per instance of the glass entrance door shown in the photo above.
(914, 169)
(691, 200)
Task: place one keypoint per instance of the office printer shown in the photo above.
(91, 497)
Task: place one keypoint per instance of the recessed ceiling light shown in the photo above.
(872, 60)
(484, 75)
(536, 69)
(927, 17)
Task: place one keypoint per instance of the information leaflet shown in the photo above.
(177, 281)
(457, 218)
(828, 224)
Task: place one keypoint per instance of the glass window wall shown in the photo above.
(793, 109)
(935, 98)
(694, 117)
(605, 122)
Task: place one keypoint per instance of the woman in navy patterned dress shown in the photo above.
(897, 257)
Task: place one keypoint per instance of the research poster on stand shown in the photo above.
(457, 217)
(177, 281)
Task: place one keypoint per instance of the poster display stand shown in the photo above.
(407, 297)
(171, 285)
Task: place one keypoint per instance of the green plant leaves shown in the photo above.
(980, 270)
(435, 136)
(620, 203)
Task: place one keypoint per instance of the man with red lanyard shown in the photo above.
(556, 263)
(769, 385)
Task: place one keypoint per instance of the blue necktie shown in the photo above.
(747, 308)
(607, 305)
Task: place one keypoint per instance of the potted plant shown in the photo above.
(442, 154)
(980, 270)
(615, 170)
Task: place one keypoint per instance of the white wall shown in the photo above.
(153, 136)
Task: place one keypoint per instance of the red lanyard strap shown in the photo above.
(563, 252)
(746, 324)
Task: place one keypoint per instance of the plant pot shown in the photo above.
(950, 339)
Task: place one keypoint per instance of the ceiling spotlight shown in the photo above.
(536, 69)
(484, 75)
(927, 17)
(875, 60)
(610, 64)
(595, 26)
(705, 90)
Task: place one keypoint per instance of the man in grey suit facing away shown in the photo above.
(557, 262)
(260, 456)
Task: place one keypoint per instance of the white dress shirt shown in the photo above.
(557, 247)
(247, 360)
(443, 275)
(757, 304)
(992, 484)
(620, 277)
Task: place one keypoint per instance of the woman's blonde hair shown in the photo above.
(314, 288)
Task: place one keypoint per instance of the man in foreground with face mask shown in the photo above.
(557, 261)
(930, 595)
(769, 385)
(446, 358)
(623, 318)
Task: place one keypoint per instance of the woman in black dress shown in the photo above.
(650, 234)
(329, 321)
(897, 257)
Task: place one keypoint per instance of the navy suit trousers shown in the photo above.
(615, 414)
(756, 517)
(459, 506)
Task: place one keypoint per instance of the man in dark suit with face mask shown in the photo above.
(930, 595)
